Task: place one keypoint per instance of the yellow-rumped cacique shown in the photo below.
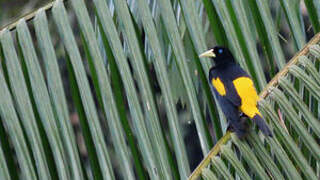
(235, 92)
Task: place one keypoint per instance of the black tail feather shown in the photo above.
(262, 125)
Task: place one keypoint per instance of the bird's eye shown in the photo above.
(220, 51)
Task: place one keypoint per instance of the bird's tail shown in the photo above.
(262, 125)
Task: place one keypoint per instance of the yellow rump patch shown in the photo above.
(219, 86)
(249, 97)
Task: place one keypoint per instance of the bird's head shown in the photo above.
(220, 55)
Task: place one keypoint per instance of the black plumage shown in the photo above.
(235, 92)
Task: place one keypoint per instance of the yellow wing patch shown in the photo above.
(249, 97)
(219, 86)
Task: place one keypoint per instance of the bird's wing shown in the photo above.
(223, 86)
(238, 81)
(232, 94)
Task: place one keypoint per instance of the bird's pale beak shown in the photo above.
(208, 53)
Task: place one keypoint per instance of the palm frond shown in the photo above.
(111, 89)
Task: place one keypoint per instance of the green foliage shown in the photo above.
(109, 89)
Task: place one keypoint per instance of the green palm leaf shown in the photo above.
(114, 89)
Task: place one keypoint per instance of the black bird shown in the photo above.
(234, 91)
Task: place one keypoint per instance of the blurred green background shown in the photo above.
(11, 10)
